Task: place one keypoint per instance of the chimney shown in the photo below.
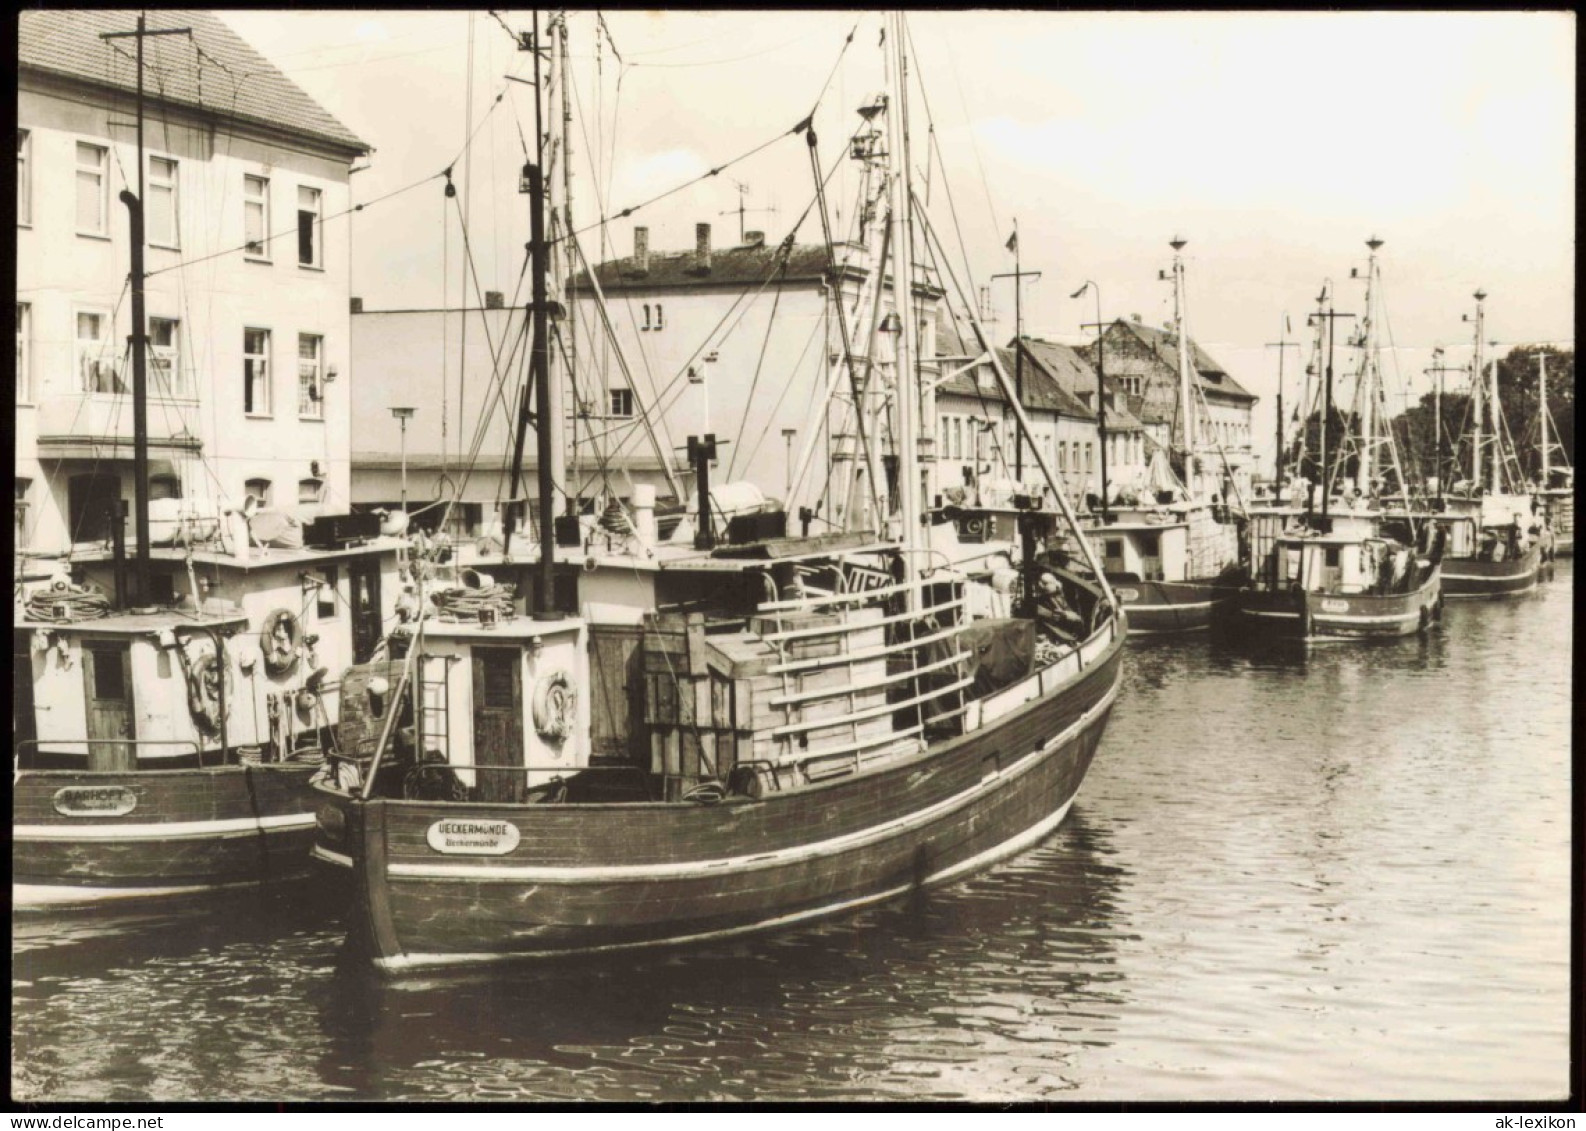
(494, 300)
(754, 239)
(702, 248)
(641, 250)
(357, 304)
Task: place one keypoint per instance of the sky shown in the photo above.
(1275, 144)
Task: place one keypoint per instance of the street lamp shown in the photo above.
(403, 415)
(1101, 390)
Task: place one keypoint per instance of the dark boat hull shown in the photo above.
(75, 840)
(1355, 616)
(1159, 608)
(1468, 577)
(591, 878)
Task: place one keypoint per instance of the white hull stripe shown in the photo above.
(1165, 606)
(779, 859)
(47, 895)
(1362, 618)
(171, 830)
(992, 855)
(329, 857)
(1271, 615)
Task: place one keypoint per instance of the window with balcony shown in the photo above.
(259, 489)
(309, 252)
(24, 369)
(24, 178)
(256, 372)
(621, 402)
(256, 217)
(93, 190)
(165, 357)
(97, 371)
(160, 216)
(310, 377)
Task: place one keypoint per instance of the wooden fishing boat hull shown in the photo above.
(1334, 616)
(1468, 577)
(1159, 608)
(79, 837)
(590, 878)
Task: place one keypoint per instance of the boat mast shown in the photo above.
(1186, 392)
(1476, 394)
(143, 586)
(905, 389)
(1541, 406)
(1370, 376)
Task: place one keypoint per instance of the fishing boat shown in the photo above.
(809, 724)
(1494, 540)
(1355, 570)
(169, 712)
(1555, 486)
(1171, 548)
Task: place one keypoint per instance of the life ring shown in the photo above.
(279, 638)
(555, 706)
(203, 692)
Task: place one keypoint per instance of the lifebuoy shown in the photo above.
(278, 640)
(203, 692)
(555, 706)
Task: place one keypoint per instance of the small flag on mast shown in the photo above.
(1013, 241)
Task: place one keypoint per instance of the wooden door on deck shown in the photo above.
(363, 580)
(498, 722)
(107, 682)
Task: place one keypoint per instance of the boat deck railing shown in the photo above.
(80, 748)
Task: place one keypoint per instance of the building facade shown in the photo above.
(247, 287)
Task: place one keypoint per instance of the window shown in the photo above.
(621, 402)
(21, 519)
(96, 368)
(1062, 455)
(24, 182)
(1088, 455)
(256, 216)
(659, 322)
(310, 389)
(256, 372)
(165, 487)
(308, 249)
(160, 209)
(309, 490)
(24, 368)
(164, 357)
(646, 325)
(259, 489)
(325, 595)
(93, 190)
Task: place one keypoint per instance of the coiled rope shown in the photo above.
(64, 603)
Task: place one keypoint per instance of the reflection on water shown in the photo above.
(1333, 872)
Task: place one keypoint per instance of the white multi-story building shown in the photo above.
(245, 187)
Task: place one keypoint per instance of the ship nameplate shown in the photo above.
(473, 837)
(1127, 594)
(1333, 605)
(95, 801)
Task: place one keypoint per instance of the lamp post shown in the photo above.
(1101, 390)
(403, 414)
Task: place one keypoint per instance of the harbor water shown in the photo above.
(1335, 873)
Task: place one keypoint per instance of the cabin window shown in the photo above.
(1113, 548)
(20, 526)
(96, 365)
(310, 377)
(259, 489)
(309, 490)
(24, 369)
(256, 372)
(646, 325)
(93, 190)
(621, 402)
(165, 358)
(164, 487)
(659, 321)
(162, 225)
(325, 595)
(110, 679)
(309, 251)
(24, 180)
(256, 217)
